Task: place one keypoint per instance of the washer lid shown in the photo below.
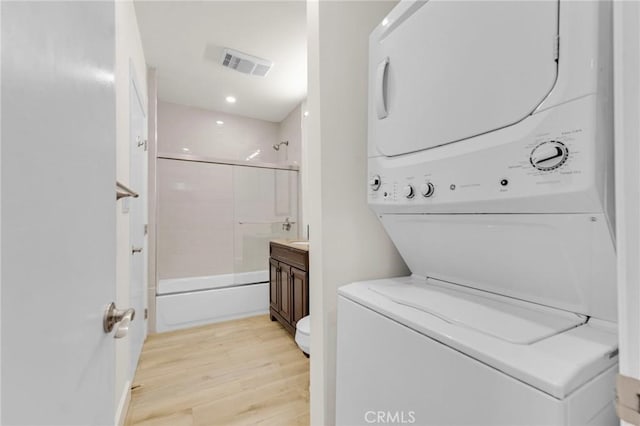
(443, 71)
(507, 319)
(557, 364)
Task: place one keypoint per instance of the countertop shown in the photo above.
(292, 244)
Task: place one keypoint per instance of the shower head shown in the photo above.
(277, 146)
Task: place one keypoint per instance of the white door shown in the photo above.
(137, 218)
(58, 212)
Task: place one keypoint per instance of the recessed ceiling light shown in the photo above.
(185, 149)
(231, 99)
(385, 22)
(219, 122)
(306, 113)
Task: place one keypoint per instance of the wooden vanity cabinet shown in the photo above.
(288, 284)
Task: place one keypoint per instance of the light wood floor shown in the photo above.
(242, 372)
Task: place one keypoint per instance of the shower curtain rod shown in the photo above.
(202, 159)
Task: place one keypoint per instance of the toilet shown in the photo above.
(303, 334)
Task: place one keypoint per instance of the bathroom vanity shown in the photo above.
(288, 282)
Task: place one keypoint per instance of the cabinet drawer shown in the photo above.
(297, 258)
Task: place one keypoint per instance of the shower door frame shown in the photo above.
(159, 325)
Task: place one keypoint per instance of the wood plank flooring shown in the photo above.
(243, 372)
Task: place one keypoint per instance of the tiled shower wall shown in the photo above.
(216, 219)
(187, 130)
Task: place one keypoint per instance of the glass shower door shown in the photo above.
(265, 208)
(215, 222)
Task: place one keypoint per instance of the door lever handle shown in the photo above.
(122, 317)
(135, 250)
(122, 327)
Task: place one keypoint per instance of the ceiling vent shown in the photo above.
(246, 64)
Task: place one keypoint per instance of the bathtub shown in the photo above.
(188, 302)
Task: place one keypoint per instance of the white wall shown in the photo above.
(627, 132)
(188, 130)
(347, 243)
(128, 51)
(290, 129)
(305, 208)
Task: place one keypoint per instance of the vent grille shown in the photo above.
(246, 64)
(261, 70)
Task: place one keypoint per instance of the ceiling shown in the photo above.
(176, 36)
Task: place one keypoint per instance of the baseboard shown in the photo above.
(123, 405)
(184, 310)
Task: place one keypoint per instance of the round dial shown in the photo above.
(427, 189)
(408, 191)
(549, 155)
(375, 182)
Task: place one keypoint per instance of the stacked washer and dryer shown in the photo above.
(491, 169)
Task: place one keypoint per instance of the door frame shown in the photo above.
(626, 51)
(143, 192)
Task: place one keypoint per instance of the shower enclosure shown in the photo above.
(214, 224)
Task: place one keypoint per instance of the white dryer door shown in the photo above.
(444, 71)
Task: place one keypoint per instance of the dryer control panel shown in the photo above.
(548, 163)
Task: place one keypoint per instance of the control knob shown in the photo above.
(408, 191)
(427, 189)
(375, 182)
(549, 155)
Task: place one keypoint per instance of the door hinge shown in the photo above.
(146, 313)
(556, 48)
(628, 399)
(146, 145)
(146, 229)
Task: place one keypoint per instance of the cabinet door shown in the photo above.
(274, 275)
(284, 287)
(300, 287)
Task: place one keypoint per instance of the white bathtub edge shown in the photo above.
(184, 310)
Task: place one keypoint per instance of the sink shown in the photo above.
(302, 243)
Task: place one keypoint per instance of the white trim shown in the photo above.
(627, 131)
(123, 405)
(0, 228)
(152, 215)
(626, 50)
(133, 78)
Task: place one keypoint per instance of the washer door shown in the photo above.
(443, 71)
